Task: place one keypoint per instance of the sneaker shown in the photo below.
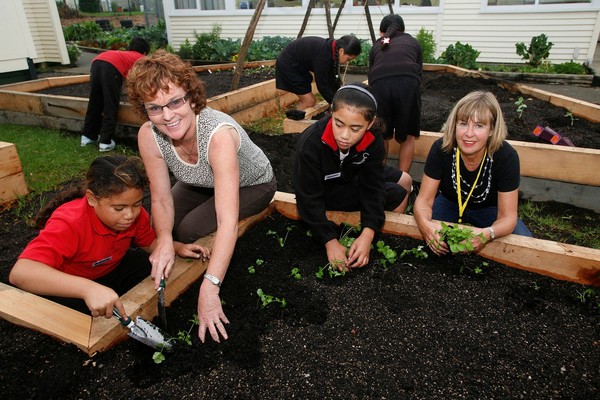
(108, 147)
(86, 140)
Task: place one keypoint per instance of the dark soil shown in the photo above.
(418, 329)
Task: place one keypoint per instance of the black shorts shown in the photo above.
(292, 81)
(399, 105)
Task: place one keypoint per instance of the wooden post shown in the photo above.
(328, 18)
(246, 43)
(369, 22)
(337, 16)
(310, 6)
(391, 6)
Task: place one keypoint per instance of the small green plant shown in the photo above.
(428, 45)
(479, 269)
(461, 55)
(389, 255)
(570, 115)
(267, 299)
(332, 270)
(569, 67)
(458, 239)
(252, 268)
(182, 336)
(296, 274)
(521, 106)
(536, 287)
(185, 50)
(585, 295)
(281, 240)
(74, 53)
(345, 239)
(417, 252)
(537, 52)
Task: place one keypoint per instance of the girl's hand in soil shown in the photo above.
(336, 254)
(191, 250)
(210, 313)
(358, 255)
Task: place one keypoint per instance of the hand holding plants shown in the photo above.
(358, 254)
(210, 313)
(337, 252)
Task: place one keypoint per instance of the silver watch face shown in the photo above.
(213, 279)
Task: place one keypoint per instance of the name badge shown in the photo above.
(333, 176)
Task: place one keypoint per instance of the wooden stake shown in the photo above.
(311, 5)
(337, 16)
(246, 43)
(328, 18)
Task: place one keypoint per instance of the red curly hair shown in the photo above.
(156, 72)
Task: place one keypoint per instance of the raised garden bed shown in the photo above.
(420, 329)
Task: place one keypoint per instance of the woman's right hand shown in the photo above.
(336, 255)
(431, 234)
(162, 260)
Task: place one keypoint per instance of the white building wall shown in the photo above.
(46, 31)
(17, 45)
(494, 31)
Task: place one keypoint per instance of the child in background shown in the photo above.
(305, 56)
(82, 256)
(340, 166)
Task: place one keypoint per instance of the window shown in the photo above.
(185, 4)
(530, 2)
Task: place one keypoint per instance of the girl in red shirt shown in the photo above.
(83, 256)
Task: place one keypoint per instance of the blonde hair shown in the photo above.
(478, 106)
(155, 72)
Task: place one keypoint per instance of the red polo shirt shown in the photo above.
(76, 242)
(122, 60)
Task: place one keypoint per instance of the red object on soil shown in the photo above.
(549, 135)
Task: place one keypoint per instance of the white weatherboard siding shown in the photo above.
(16, 45)
(494, 31)
(46, 31)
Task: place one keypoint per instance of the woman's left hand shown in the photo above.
(358, 255)
(210, 313)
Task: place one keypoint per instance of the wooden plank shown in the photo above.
(12, 186)
(10, 163)
(544, 161)
(19, 101)
(557, 260)
(37, 85)
(228, 66)
(34, 312)
(64, 106)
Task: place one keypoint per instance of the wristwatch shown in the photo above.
(492, 233)
(213, 279)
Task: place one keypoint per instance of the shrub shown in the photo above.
(363, 58)
(185, 50)
(268, 48)
(92, 6)
(74, 53)
(86, 30)
(65, 11)
(428, 45)
(201, 49)
(570, 67)
(461, 55)
(538, 50)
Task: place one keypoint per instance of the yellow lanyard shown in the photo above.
(461, 206)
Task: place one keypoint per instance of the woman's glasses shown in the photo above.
(172, 105)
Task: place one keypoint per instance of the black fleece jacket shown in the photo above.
(318, 172)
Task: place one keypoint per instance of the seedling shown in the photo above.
(332, 270)
(267, 299)
(182, 336)
(418, 252)
(479, 270)
(569, 115)
(457, 238)
(585, 295)
(521, 106)
(389, 255)
(345, 239)
(281, 240)
(296, 274)
(252, 268)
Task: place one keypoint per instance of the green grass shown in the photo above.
(562, 228)
(50, 157)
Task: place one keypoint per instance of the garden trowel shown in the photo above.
(143, 331)
(162, 315)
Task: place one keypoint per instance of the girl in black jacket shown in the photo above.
(320, 56)
(340, 166)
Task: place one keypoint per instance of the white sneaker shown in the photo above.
(86, 140)
(108, 147)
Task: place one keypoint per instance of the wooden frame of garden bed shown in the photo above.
(557, 260)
